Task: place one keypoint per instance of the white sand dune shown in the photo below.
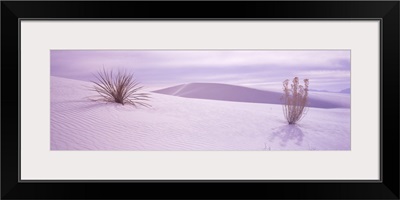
(217, 91)
(176, 123)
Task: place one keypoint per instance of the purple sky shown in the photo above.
(327, 69)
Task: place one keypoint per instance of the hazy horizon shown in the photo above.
(327, 69)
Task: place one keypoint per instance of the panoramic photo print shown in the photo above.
(200, 100)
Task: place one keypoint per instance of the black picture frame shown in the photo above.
(385, 11)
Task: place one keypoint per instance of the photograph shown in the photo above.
(273, 99)
(200, 100)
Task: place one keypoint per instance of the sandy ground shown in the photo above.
(179, 123)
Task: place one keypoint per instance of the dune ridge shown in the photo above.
(226, 92)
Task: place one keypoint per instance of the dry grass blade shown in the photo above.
(121, 88)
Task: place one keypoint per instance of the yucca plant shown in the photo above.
(120, 88)
(295, 100)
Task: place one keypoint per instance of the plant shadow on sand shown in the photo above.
(288, 133)
(78, 105)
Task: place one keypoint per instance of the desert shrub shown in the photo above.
(295, 100)
(119, 88)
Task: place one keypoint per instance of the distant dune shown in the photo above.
(225, 92)
(347, 91)
(319, 90)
